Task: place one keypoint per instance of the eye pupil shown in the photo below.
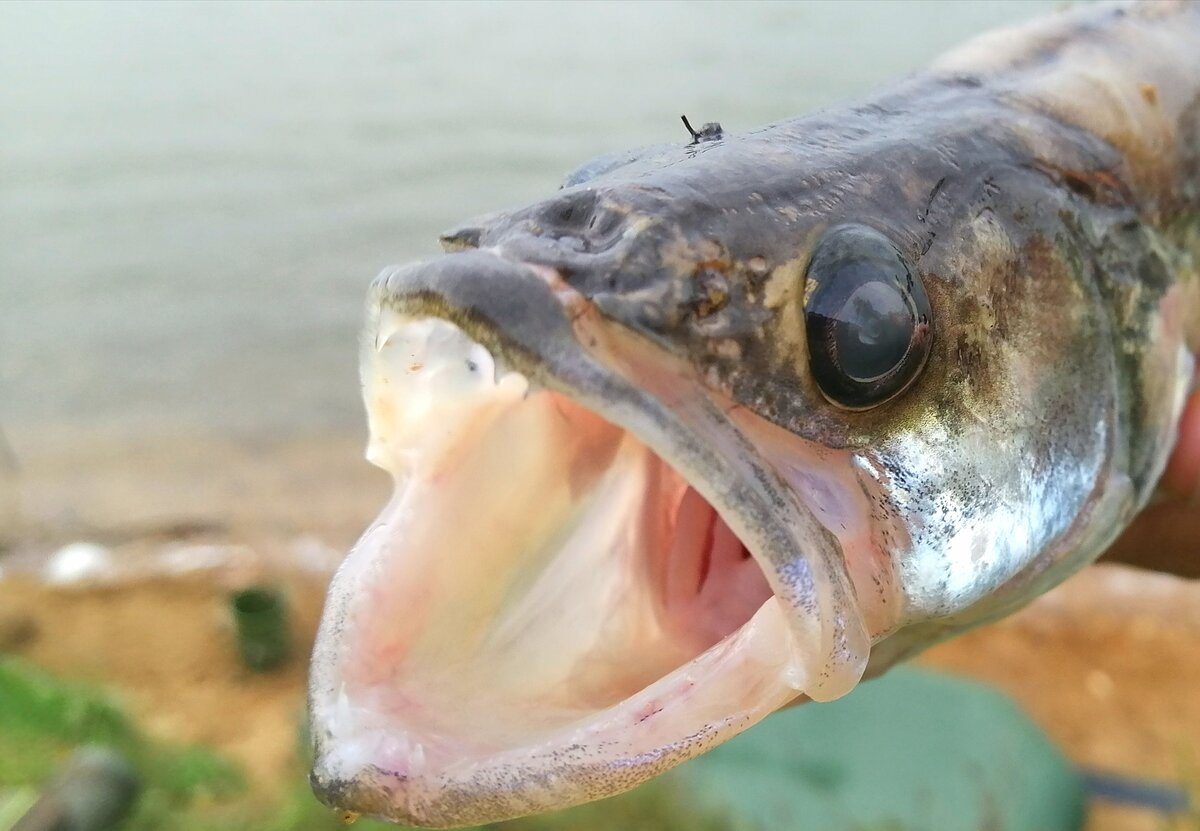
(867, 318)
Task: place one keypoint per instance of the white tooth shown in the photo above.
(416, 380)
(399, 752)
(388, 323)
(351, 743)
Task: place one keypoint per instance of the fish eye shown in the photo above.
(867, 318)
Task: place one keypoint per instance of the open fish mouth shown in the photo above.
(589, 570)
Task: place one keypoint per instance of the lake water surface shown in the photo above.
(193, 197)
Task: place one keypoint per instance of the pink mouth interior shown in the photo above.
(710, 584)
(539, 567)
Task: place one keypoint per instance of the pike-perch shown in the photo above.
(723, 425)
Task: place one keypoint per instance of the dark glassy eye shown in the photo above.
(867, 317)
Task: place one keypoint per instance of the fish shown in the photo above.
(733, 423)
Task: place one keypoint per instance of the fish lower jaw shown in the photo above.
(394, 768)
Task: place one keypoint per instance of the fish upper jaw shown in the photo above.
(587, 574)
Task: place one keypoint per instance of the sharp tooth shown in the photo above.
(389, 323)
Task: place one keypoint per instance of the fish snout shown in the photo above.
(584, 220)
(494, 296)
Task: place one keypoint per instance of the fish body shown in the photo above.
(725, 425)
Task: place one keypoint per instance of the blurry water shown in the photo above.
(194, 197)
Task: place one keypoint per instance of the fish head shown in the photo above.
(711, 430)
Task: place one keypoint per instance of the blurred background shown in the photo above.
(193, 199)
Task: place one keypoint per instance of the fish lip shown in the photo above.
(535, 324)
(373, 793)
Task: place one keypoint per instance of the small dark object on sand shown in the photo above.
(260, 614)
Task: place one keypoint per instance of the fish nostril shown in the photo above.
(571, 213)
(583, 217)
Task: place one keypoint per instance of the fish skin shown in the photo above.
(1045, 180)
